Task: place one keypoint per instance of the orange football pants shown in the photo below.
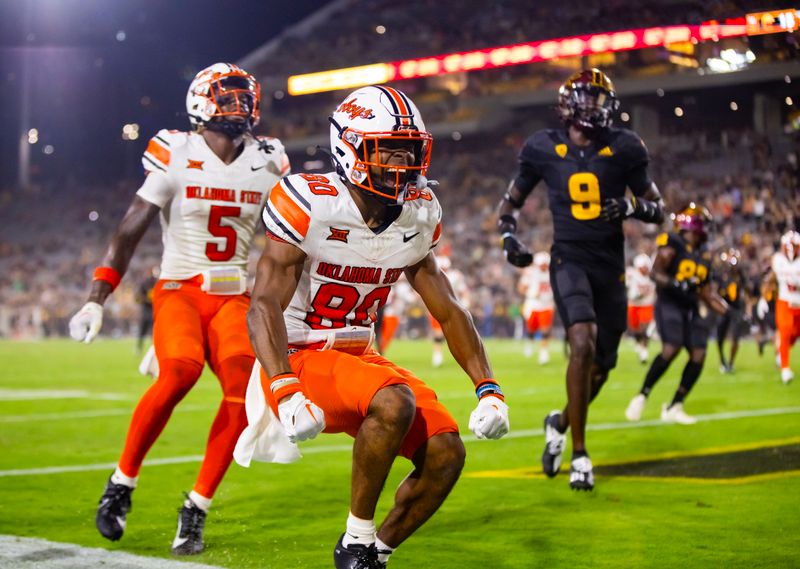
(787, 321)
(343, 385)
(191, 327)
(539, 320)
(639, 316)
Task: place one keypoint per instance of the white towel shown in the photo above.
(264, 439)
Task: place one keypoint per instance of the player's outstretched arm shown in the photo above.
(713, 300)
(490, 418)
(515, 252)
(86, 323)
(277, 274)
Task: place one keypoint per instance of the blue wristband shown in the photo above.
(489, 387)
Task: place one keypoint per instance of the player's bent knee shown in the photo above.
(394, 405)
(446, 455)
(182, 374)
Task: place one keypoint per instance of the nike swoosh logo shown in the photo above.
(253, 169)
(407, 238)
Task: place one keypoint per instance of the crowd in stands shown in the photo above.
(54, 235)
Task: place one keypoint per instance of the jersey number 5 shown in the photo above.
(584, 191)
(215, 228)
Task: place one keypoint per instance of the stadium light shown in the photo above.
(33, 136)
(734, 106)
(624, 116)
(49, 149)
(788, 101)
(380, 29)
(130, 131)
(678, 112)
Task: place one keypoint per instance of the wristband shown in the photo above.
(284, 384)
(489, 387)
(107, 274)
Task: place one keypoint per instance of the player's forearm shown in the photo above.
(267, 330)
(648, 211)
(466, 346)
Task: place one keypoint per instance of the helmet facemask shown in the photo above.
(389, 179)
(224, 98)
(587, 101)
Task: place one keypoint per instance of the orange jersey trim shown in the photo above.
(289, 210)
(158, 152)
(437, 233)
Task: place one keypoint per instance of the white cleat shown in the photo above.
(544, 357)
(787, 375)
(527, 351)
(676, 414)
(635, 408)
(437, 359)
(643, 354)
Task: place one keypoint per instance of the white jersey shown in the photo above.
(349, 269)
(788, 275)
(209, 210)
(538, 292)
(641, 288)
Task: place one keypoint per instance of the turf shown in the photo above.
(502, 514)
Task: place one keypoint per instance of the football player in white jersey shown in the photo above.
(459, 283)
(641, 300)
(785, 276)
(538, 307)
(339, 241)
(209, 186)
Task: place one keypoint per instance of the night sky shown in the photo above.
(97, 64)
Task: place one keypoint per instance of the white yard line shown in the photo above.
(37, 394)
(33, 553)
(91, 414)
(726, 416)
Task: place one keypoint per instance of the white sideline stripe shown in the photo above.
(36, 394)
(90, 414)
(32, 553)
(467, 438)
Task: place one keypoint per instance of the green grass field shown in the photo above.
(64, 404)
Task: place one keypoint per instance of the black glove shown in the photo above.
(516, 253)
(616, 209)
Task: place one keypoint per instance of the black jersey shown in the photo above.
(688, 264)
(732, 287)
(578, 179)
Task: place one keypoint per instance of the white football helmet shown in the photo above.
(541, 259)
(642, 262)
(790, 244)
(217, 86)
(368, 117)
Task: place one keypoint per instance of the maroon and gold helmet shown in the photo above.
(587, 100)
(695, 218)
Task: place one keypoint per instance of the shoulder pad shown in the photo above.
(287, 212)
(628, 142)
(157, 156)
(546, 142)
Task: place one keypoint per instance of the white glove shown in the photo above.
(301, 419)
(762, 308)
(489, 420)
(86, 323)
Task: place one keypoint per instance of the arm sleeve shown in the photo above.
(529, 173)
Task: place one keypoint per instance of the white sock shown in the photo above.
(384, 551)
(359, 531)
(120, 477)
(200, 501)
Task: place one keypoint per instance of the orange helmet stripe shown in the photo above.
(401, 104)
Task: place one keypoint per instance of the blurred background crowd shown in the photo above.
(727, 139)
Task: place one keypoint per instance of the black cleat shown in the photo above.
(581, 476)
(115, 503)
(554, 444)
(356, 556)
(189, 539)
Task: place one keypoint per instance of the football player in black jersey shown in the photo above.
(682, 273)
(733, 287)
(587, 166)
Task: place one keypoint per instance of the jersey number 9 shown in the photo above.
(584, 191)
